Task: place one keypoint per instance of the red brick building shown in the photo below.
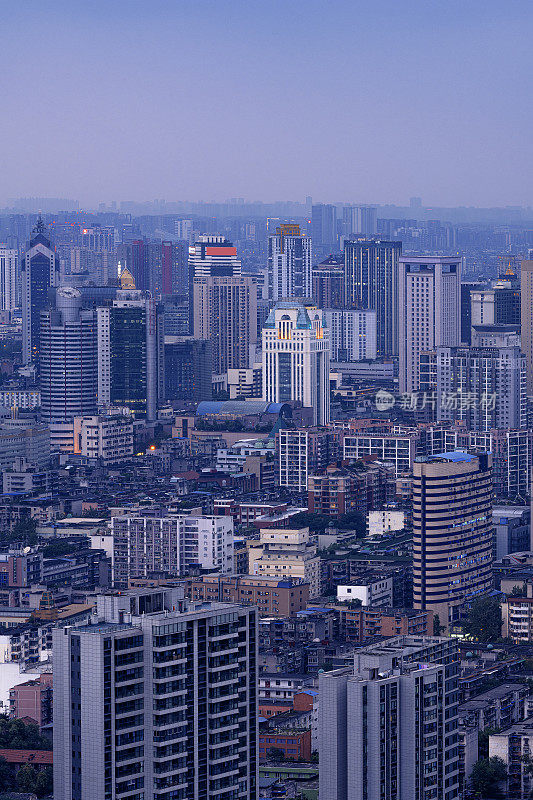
(32, 700)
(294, 744)
(273, 596)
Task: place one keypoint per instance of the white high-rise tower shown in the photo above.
(296, 357)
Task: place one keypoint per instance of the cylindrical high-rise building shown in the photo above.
(452, 532)
(68, 359)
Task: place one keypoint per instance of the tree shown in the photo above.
(44, 782)
(27, 778)
(275, 754)
(483, 741)
(517, 591)
(6, 775)
(484, 620)
(437, 627)
(25, 530)
(487, 773)
(352, 521)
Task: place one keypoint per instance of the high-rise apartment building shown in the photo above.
(68, 358)
(328, 282)
(360, 219)
(173, 545)
(352, 334)
(388, 726)
(213, 256)
(324, 225)
(483, 385)
(302, 452)
(188, 368)
(40, 272)
(452, 532)
(371, 268)
(429, 311)
(526, 320)
(225, 314)
(499, 305)
(131, 352)
(8, 279)
(175, 268)
(296, 358)
(289, 263)
(155, 699)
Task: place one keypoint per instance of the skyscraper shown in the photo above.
(452, 532)
(296, 358)
(371, 268)
(156, 699)
(526, 319)
(68, 358)
(328, 280)
(289, 263)
(40, 271)
(131, 355)
(360, 219)
(188, 368)
(210, 256)
(225, 313)
(324, 226)
(388, 726)
(8, 279)
(429, 311)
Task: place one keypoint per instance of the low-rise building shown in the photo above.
(294, 744)
(106, 437)
(33, 700)
(370, 590)
(497, 708)
(286, 553)
(513, 746)
(517, 615)
(272, 596)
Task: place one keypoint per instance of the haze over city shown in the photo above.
(344, 101)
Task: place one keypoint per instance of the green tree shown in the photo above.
(315, 522)
(27, 778)
(275, 754)
(44, 782)
(352, 521)
(25, 530)
(7, 780)
(437, 627)
(483, 742)
(487, 773)
(517, 591)
(484, 620)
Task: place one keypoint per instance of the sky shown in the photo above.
(346, 101)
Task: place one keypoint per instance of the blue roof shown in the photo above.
(455, 455)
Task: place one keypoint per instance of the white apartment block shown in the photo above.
(429, 311)
(172, 545)
(8, 279)
(352, 334)
(109, 438)
(371, 592)
(396, 449)
(289, 264)
(20, 398)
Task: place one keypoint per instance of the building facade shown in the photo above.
(40, 272)
(289, 263)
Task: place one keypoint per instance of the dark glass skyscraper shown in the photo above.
(371, 267)
(40, 271)
(324, 225)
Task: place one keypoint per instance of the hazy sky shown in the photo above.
(344, 100)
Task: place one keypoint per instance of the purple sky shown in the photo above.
(344, 100)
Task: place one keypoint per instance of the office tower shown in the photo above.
(175, 268)
(303, 451)
(225, 313)
(328, 282)
(131, 352)
(466, 310)
(213, 256)
(483, 385)
(188, 368)
(371, 268)
(352, 334)
(99, 241)
(289, 263)
(388, 726)
(526, 319)
(156, 699)
(8, 279)
(499, 305)
(296, 358)
(452, 532)
(139, 264)
(68, 358)
(429, 311)
(145, 545)
(324, 226)
(40, 271)
(360, 219)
